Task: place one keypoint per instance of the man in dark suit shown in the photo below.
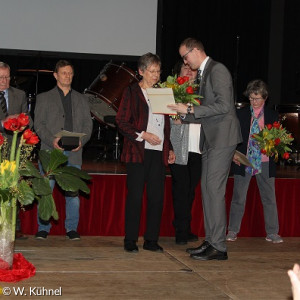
(62, 108)
(220, 132)
(12, 102)
(15, 100)
(264, 168)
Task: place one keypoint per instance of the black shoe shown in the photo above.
(152, 246)
(41, 235)
(130, 246)
(181, 241)
(210, 253)
(199, 249)
(192, 237)
(73, 235)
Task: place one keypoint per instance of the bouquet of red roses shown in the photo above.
(273, 140)
(183, 89)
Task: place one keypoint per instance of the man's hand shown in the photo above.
(55, 144)
(151, 138)
(180, 108)
(78, 148)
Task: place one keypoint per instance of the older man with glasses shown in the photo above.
(13, 102)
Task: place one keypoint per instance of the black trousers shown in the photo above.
(152, 174)
(184, 181)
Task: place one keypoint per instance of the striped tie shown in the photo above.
(3, 103)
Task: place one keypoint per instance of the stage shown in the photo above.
(102, 212)
(97, 267)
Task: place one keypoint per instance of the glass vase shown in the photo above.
(7, 235)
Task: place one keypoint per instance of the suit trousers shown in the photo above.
(184, 181)
(152, 174)
(266, 187)
(215, 170)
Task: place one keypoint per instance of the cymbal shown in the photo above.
(34, 71)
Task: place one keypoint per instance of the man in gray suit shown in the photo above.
(62, 108)
(220, 132)
(12, 103)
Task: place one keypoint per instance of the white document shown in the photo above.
(159, 99)
(69, 133)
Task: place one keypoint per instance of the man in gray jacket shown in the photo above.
(62, 108)
(220, 133)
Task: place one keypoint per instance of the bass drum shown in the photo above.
(106, 91)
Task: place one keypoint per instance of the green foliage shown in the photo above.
(38, 187)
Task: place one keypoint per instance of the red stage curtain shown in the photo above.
(102, 212)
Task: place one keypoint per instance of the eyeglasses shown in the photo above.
(4, 77)
(185, 55)
(154, 72)
(256, 99)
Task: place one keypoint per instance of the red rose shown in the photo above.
(276, 124)
(27, 134)
(263, 151)
(23, 120)
(189, 90)
(1, 139)
(186, 78)
(180, 80)
(12, 124)
(33, 140)
(253, 136)
(269, 126)
(290, 136)
(198, 100)
(277, 141)
(286, 155)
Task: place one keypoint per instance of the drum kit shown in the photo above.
(105, 95)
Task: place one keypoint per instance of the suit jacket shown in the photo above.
(244, 116)
(49, 119)
(17, 103)
(132, 117)
(220, 126)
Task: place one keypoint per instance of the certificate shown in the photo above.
(242, 159)
(159, 99)
(69, 133)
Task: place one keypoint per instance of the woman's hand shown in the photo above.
(172, 157)
(151, 138)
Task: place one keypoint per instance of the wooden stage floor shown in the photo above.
(99, 268)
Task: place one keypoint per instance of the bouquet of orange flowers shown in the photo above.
(273, 140)
(183, 89)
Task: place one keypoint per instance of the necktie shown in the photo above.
(3, 103)
(253, 153)
(199, 76)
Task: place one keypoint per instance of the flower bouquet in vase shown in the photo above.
(183, 90)
(274, 140)
(21, 182)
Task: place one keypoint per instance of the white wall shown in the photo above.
(113, 27)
